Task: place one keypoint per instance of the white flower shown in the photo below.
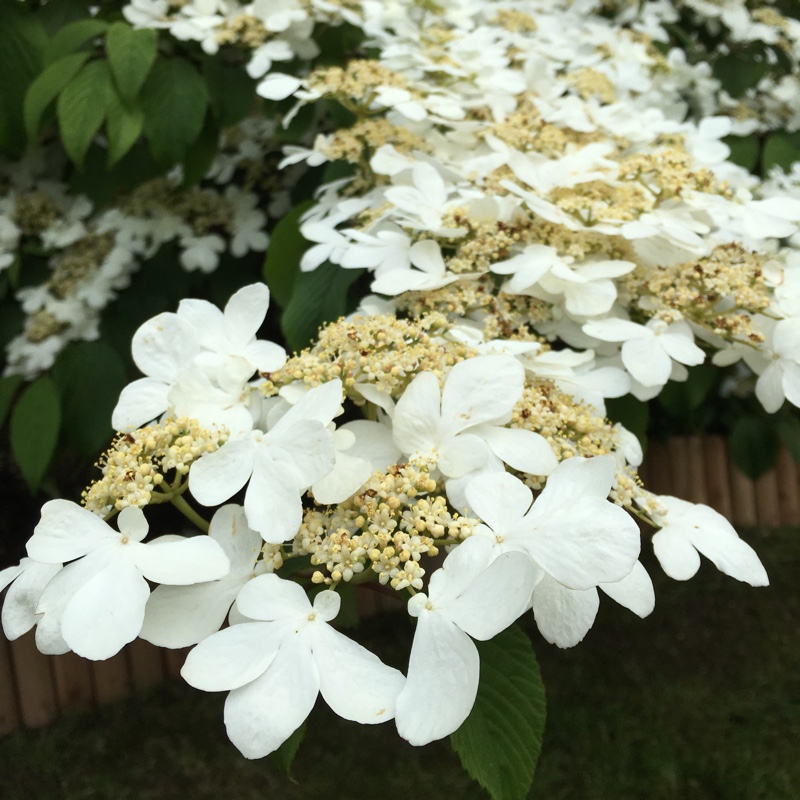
(688, 529)
(27, 581)
(281, 464)
(473, 594)
(179, 616)
(781, 378)
(276, 666)
(95, 606)
(648, 350)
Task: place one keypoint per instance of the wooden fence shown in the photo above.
(36, 689)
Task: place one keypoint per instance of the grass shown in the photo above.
(701, 701)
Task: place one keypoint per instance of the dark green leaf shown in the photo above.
(744, 150)
(284, 755)
(8, 388)
(632, 413)
(131, 54)
(90, 376)
(174, 98)
(680, 397)
(231, 91)
(500, 742)
(45, 89)
(201, 153)
(318, 297)
(286, 248)
(780, 150)
(738, 73)
(124, 126)
(22, 42)
(54, 16)
(34, 426)
(789, 431)
(754, 446)
(72, 37)
(82, 108)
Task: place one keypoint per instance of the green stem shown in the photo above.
(189, 513)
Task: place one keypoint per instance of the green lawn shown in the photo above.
(700, 701)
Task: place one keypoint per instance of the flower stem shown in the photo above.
(189, 513)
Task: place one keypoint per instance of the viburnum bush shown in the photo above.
(495, 232)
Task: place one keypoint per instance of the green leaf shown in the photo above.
(284, 755)
(90, 376)
(131, 55)
(54, 16)
(738, 73)
(46, 88)
(174, 98)
(754, 446)
(22, 42)
(201, 153)
(286, 248)
(318, 297)
(82, 108)
(8, 388)
(72, 37)
(231, 91)
(780, 150)
(789, 432)
(744, 150)
(124, 125)
(34, 426)
(500, 741)
(680, 397)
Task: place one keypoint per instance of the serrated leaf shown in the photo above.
(231, 91)
(82, 108)
(131, 55)
(8, 388)
(124, 125)
(284, 755)
(90, 376)
(754, 446)
(174, 99)
(33, 430)
(500, 741)
(780, 150)
(46, 88)
(72, 37)
(318, 297)
(286, 248)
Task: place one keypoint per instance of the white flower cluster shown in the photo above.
(525, 169)
(92, 253)
(455, 443)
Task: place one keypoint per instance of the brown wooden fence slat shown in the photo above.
(36, 689)
(743, 497)
(9, 712)
(110, 679)
(767, 500)
(173, 660)
(73, 682)
(147, 666)
(788, 488)
(697, 469)
(678, 452)
(718, 482)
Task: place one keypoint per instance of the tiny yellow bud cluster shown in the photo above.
(135, 465)
(388, 525)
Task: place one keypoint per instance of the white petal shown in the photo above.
(356, 684)
(233, 657)
(269, 597)
(682, 348)
(67, 531)
(576, 477)
(277, 86)
(192, 560)
(647, 361)
(217, 476)
(522, 450)
(262, 715)
(442, 683)
(132, 523)
(241, 544)
(164, 345)
(140, 402)
(481, 389)
(563, 615)
(245, 312)
(322, 403)
(272, 502)
(635, 591)
(676, 555)
(499, 499)
(769, 388)
(180, 616)
(462, 454)
(416, 420)
(305, 451)
(19, 608)
(343, 480)
(106, 612)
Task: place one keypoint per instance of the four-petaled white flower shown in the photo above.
(96, 605)
(276, 665)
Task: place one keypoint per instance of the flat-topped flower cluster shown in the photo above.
(472, 486)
